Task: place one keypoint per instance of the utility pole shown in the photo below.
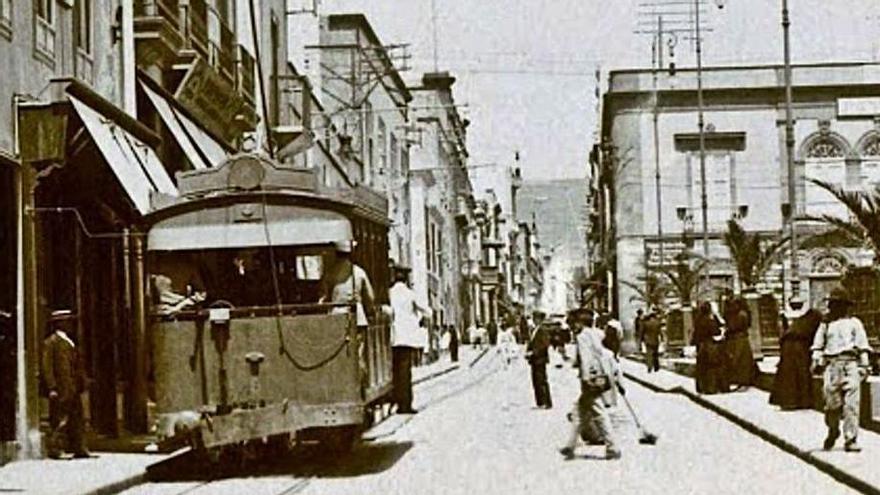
(659, 56)
(789, 152)
(704, 204)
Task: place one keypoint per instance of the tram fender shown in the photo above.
(248, 424)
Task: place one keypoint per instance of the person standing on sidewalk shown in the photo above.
(741, 370)
(406, 338)
(793, 382)
(597, 378)
(64, 378)
(649, 327)
(538, 355)
(841, 348)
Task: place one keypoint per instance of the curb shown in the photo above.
(119, 486)
(806, 456)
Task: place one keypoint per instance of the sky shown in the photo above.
(526, 70)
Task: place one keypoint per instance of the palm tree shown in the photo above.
(863, 226)
(751, 257)
(684, 276)
(651, 289)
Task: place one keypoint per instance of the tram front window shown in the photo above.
(239, 277)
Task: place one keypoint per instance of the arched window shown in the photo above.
(824, 155)
(825, 148)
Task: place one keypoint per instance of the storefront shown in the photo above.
(88, 173)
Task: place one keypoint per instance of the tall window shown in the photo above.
(82, 39)
(275, 102)
(382, 145)
(44, 29)
(869, 173)
(825, 160)
(718, 187)
(393, 152)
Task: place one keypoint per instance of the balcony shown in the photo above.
(157, 31)
(166, 10)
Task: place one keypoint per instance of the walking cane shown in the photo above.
(645, 436)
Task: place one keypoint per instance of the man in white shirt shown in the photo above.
(406, 337)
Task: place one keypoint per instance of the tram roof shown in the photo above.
(250, 177)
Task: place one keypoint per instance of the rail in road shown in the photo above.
(293, 472)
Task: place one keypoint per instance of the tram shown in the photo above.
(242, 345)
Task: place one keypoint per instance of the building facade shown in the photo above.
(835, 113)
(442, 201)
(366, 104)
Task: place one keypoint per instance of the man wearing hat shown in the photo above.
(538, 355)
(841, 348)
(346, 282)
(64, 378)
(406, 337)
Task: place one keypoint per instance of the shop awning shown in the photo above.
(214, 229)
(201, 149)
(134, 164)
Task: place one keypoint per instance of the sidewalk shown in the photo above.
(799, 433)
(104, 474)
(114, 472)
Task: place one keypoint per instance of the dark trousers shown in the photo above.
(453, 351)
(66, 421)
(540, 385)
(401, 361)
(652, 357)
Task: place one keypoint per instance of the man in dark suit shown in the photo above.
(64, 378)
(537, 354)
(650, 336)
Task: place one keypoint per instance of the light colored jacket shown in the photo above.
(405, 330)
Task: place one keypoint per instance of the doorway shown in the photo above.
(8, 335)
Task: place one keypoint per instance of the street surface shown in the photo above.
(479, 432)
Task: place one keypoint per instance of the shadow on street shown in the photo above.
(303, 461)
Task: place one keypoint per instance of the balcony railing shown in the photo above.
(85, 66)
(221, 46)
(246, 79)
(196, 26)
(169, 10)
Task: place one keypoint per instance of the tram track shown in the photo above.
(179, 474)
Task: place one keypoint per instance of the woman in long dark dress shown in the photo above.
(710, 377)
(793, 383)
(741, 370)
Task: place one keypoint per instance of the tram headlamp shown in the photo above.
(246, 173)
